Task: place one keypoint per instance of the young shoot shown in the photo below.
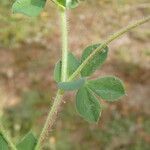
(72, 74)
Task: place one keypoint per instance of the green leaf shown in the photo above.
(96, 62)
(109, 88)
(3, 143)
(88, 105)
(72, 3)
(57, 71)
(67, 3)
(30, 8)
(73, 64)
(27, 143)
(73, 85)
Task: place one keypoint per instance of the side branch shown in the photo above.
(108, 41)
(58, 100)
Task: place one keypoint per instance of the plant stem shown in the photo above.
(106, 42)
(58, 100)
(50, 119)
(64, 31)
(7, 138)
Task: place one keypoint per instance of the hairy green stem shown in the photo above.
(50, 119)
(7, 138)
(64, 30)
(106, 42)
(58, 100)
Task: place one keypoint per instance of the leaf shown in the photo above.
(109, 88)
(67, 3)
(30, 8)
(96, 62)
(72, 3)
(28, 142)
(88, 105)
(73, 85)
(57, 71)
(73, 64)
(3, 143)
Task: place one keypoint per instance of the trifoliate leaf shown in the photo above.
(88, 105)
(96, 62)
(57, 71)
(3, 143)
(108, 88)
(27, 143)
(73, 64)
(30, 8)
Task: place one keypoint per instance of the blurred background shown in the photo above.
(29, 49)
